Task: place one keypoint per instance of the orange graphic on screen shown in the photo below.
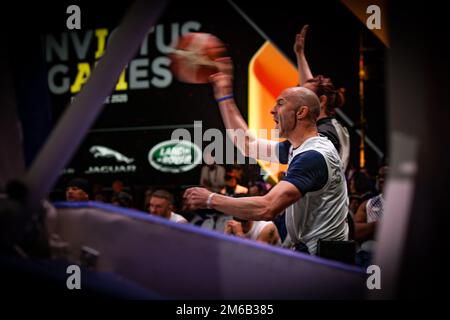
(269, 73)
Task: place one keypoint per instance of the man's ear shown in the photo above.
(302, 112)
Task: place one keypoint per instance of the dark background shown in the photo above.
(332, 48)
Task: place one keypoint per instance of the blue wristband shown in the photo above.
(230, 96)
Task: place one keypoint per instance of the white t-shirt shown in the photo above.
(257, 228)
(374, 208)
(374, 212)
(320, 214)
(177, 218)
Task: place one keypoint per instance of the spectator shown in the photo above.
(263, 231)
(212, 175)
(161, 204)
(78, 189)
(366, 219)
(232, 186)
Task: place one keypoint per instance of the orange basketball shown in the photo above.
(194, 55)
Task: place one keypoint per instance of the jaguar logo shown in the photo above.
(104, 152)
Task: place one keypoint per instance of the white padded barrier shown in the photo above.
(182, 261)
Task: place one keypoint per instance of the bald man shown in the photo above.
(313, 192)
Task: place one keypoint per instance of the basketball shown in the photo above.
(194, 55)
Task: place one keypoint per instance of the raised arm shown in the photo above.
(304, 73)
(232, 118)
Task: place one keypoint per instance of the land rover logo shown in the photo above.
(175, 156)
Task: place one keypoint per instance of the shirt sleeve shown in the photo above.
(283, 151)
(308, 171)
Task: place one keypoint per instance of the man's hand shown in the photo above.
(299, 45)
(223, 80)
(195, 198)
(234, 227)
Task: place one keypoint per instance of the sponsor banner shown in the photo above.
(175, 156)
(141, 157)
